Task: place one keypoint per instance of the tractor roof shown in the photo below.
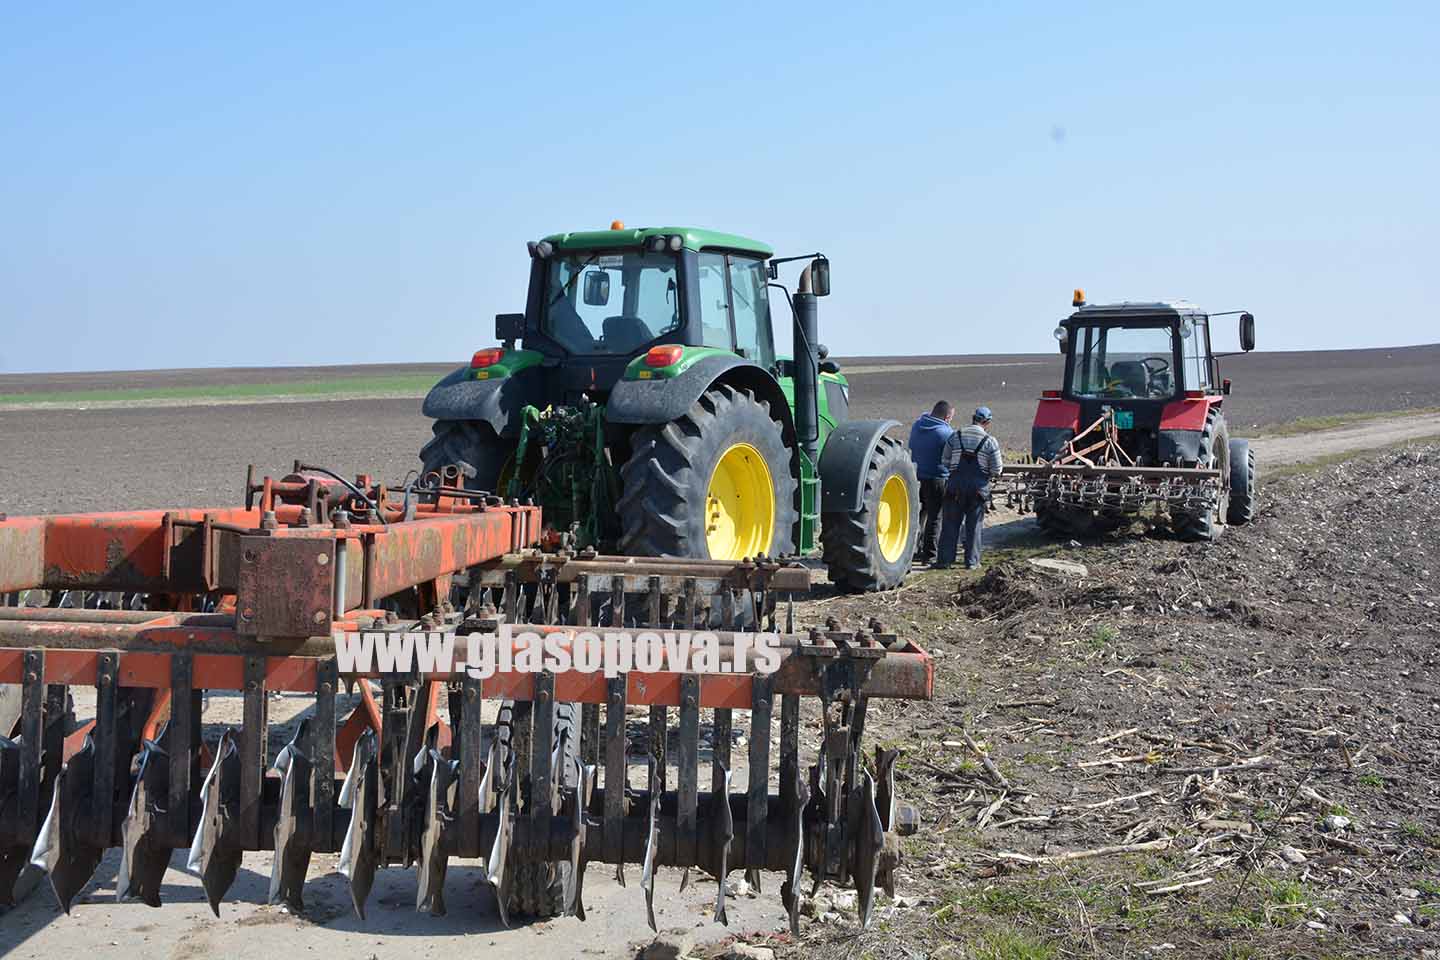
(694, 238)
(1137, 309)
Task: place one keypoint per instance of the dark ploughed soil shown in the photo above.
(1232, 749)
(71, 460)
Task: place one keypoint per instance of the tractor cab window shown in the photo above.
(1122, 362)
(610, 302)
(750, 294)
(714, 302)
(1196, 351)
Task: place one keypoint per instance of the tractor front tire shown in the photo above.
(1242, 483)
(471, 443)
(870, 549)
(1215, 454)
(712, 484)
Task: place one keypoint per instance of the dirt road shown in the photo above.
(1365, 435)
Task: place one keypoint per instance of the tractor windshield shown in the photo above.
(1118, 362)
(611, 302)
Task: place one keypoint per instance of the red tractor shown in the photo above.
(1138, 423)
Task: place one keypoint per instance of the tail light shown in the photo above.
(664, 355)
(486, 358)
(1049, 394)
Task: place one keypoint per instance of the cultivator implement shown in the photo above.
(533, 775)
(1094, 472)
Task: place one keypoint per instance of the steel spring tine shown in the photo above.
(652, 844)
(63, 848)
(292, 852)
(430, 892)
(357, 862)
(724, 835)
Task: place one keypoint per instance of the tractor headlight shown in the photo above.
(1187, 327)
(676, 242)
(1060, 333)
(655, 244)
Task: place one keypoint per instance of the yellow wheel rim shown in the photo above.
(739, 505)
(892, 520)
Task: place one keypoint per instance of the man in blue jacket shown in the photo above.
(927, 444)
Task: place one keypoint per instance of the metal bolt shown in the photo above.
(249, 556)
(319, 616)
(325, 687)
(322, 558)
(104, 679)
(247, 614)
(30, 677)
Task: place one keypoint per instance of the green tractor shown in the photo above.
(640, 402)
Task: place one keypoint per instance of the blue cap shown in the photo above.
(982, 413)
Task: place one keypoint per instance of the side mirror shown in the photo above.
(597, 288)
(1247, 332)
(509, 326)
(820, 277)
(821, 351)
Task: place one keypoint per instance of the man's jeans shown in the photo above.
(964, 514)
(932, 500)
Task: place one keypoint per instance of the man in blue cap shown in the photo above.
(972, 460)
(927, 447)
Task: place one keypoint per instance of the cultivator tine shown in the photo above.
(29, 785)
(652, 844)
(359, 855)
(322, 757)
(145, 836)
(724, 830)
(252, 754)
(182, 737)
(868, 838)
(218, 846)
(688, 764)
(758, 805)
(292, 847)
(430, 894)
(469, 800)
(65, 848)
(790, 889)
(498, 872)
(885, 806)
(574, 895)
(616, 775)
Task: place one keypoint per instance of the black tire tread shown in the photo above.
(538, 889)
(1215, 437)
(471, 442)
(852, 558)
(662, 493)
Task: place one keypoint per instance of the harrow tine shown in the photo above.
(358, 858)
(292, 846)
(762, 701)
(145, 849)
(689, 772)
(584, 783)
(497, 871)
(216, 851)
(182, 737)
(724, 834)
(616, 775)
(65, 849)
(430, 894)
(29, 784)
(790, 889)
(652, 843)
(869, 839)
(885, 807)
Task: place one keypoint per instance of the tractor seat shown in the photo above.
(1133, 375)
(625, 333)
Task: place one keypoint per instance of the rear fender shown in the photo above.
(640, 402)
(845, 461)
(496, 402)
(1182, 423)
(1056, 422)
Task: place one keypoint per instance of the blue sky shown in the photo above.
(186, 186)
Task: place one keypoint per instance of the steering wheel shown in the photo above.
(1161, 365)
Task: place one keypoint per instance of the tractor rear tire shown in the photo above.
(471, 443)
(854, 545)
(538, 889)
(1242, 483)
(666, 507)
(1215, 454)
